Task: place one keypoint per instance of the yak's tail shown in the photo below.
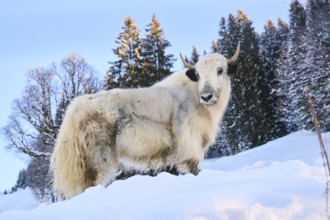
(68, 163)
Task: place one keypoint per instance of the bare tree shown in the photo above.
(31, 115)
(77, 77)
(37, 115)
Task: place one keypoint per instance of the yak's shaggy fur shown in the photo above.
(168, 125)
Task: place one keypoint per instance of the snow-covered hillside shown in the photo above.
(283, 179)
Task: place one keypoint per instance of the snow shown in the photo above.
(283, 179)
(20, 200)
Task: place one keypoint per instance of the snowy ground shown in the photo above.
(283, 179)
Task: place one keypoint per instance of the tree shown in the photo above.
(37, 115)
(21, 182)
(279, 85)
(303, 61)
(316, 62)
(290, 69)
(125, 72)
(194, 56)
(248, 119)
(223, 41)
(271, 45)
(142, 61)
(156, 63)
(61, 108)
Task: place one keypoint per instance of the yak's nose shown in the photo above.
(206, 97)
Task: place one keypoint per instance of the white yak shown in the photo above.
(168, 125)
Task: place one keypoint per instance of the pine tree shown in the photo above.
(21, 182)
(225, 140)
(305, 63)
(38, 178)
(269, 49)
(283, 31)
(316, 62)
(293, 71)
(248, 119)
(156, 64)
(224, 41)
(280, 85)
(125, 72)
(271, 43)
(194, 56)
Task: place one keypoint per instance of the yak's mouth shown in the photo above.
(208, 103)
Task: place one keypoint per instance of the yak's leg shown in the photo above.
(100, 134)
(188, 166)
(107, 176)
(188, 158)
(107, 171)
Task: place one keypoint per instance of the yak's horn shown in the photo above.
(186, 64)
(234, 58)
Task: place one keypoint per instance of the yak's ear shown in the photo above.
(232, 69)
(192, 75)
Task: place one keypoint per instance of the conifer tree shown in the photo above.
(156, 64)
(248, 119)
(279, 84)
(194, 56)
(125, 72)
(223, 41)
(305, 62)
(271, 43)
(291, 71)
(269, 48)
(21, 182)
(317, 62)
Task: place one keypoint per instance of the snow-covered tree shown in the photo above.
(272, 41)
(304, 61)
(316, 67)
(248, 120)
(295, 101)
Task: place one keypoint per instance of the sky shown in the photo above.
(36, 33)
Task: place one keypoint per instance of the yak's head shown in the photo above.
(210, 72)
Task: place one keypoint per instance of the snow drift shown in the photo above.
(283, 179)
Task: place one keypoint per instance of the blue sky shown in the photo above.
(36, 33)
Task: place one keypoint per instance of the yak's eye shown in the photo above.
(220, 70)
(197, 75)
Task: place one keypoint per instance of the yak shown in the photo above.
(168, 125)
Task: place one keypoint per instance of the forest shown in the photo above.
(268, 83)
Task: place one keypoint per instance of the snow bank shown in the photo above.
(23, 199)
(283, 179)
